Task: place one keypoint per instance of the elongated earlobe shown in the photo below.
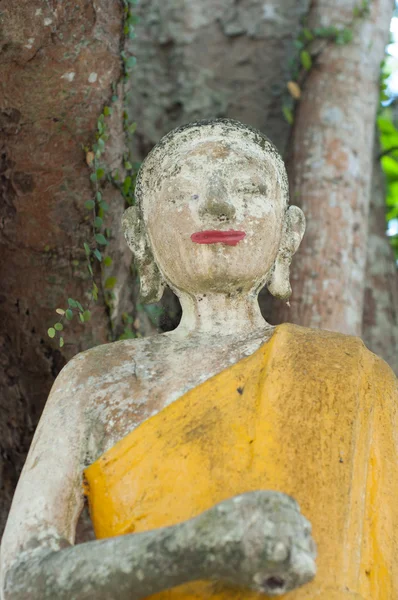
(151, 280)
(293, 231)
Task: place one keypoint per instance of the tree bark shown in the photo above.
(380, 315)
(331, 168)
(209, 59)
(58, 62)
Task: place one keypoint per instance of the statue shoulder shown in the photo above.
(100, 361)
(322, 349)
(110, 363)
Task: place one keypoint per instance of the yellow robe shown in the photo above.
(312, 414)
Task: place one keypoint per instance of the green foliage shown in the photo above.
(288, 114)
(388, 134)
(128, 332)
(110, 283)
(306, 60)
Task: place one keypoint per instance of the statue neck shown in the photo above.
(220, 316)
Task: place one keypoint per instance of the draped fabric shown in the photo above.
(312, 414)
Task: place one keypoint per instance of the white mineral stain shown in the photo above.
(47, 22)
(92, 78)
(68, 76)
(30, 43)
(38, 12)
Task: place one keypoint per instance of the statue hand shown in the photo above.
(258, 540)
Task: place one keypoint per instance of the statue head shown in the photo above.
(212, 214)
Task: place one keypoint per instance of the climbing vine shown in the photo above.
(95, 247)
(310, 43)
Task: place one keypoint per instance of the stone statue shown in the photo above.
(194, 443)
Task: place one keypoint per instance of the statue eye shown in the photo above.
(195, 196)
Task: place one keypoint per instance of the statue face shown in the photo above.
(215, 217)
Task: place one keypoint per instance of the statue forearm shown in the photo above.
(128, 567)
(258, 540)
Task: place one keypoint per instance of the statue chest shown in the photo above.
(139, 389)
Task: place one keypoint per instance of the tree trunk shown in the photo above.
(380, 315)
(211, 59)
(58, 64)
(331, 168)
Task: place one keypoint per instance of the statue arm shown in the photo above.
(257, 540)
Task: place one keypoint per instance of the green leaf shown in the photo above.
(288, 114)
(98, 196)
(61, 342)
(107, 111)
(51, 332)
(60, 311)
(107, 261)
(79, 306)
(90, 270)
(87, 249)
(128, 165)
(390, 168)
(69, 314)
(101, 239)
(100, 173)
(58, 326)
(308, 35)
(93, 177)
(86, 315)
(89, 204)
(344, 36)
(131, 128)
(97, 254)
(133, 19)
(81, 317)
(126, 185)
(130, 62)
(72, 303)
(104, 206)
(95, 291)
(98, 222)
(101, 144)
(306, 59)
(110, 283)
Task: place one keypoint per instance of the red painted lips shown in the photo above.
(230, 238)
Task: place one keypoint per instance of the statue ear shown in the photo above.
(151, 280)
(293, 231)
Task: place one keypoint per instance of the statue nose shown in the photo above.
(217, 203)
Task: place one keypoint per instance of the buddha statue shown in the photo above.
(197, 449)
